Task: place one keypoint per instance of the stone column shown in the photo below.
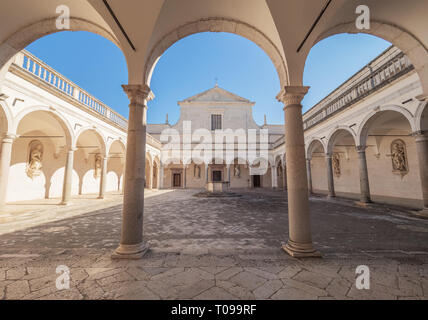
(184, 176)
(150, 186)
(206, 173)
(330, 180)
(5, 157)
(421, 139)
(228, 174)
(68, 177)
(274, 177)
(160, 176)
(131, 242)
(103, 179)
(123, 178)
(284, 176)
(300, 238)
(309, 173)
(364, 176)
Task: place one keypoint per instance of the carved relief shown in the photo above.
(399, 157)
(279, 171)
(237, 171)
(336, 164)
(98, 164)
(34, 165)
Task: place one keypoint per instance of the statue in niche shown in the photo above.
(34, 165)
(279, 170)
(197, 171)
(336, 164)
(398, 156)
(237, 171)
(98, 164)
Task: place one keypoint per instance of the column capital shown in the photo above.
(138, 94)
(9, 137)
(420, 135)
(329, 154)
(360, 148)
(292, 95)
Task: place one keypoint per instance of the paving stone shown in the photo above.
(289, 272)
(314, 279)
(17, 289)
(190, 291)
(215, 293)
(338, 287)
(262, 273)
(293, 294)
(162, 289)
(15, 273)
(248, 280)
(90, 289)
(115, 278)
(409, 287)
(228, 273)
(268, 289)
(290, 283)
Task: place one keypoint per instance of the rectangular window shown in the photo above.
(216, 122)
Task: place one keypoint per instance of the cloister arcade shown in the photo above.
(281, 29)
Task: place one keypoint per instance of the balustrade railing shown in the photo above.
(28, 62)
(395, 65)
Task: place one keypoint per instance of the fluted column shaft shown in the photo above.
(300, 239)
(68, 177)
(5, 157)
(131, 243)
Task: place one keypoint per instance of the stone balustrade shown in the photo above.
(389, 66)
(31, 64)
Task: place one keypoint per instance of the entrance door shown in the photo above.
(216, 176)
(176, 182)
(256, 181)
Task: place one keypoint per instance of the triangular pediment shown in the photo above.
(216, 95)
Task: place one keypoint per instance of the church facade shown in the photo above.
(217, 140)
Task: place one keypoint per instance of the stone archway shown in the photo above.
(216, 24)
(25, 36)
(316, 166)
(115, 166)
(405, 41)
(391, 154)
(38, 156)
(90, 160)
(341, 161)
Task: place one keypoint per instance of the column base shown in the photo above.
(130, 251)
(364, 204)
(65, 203)
(101, 197)
(301, 250)
(422, 213)
(329, 196)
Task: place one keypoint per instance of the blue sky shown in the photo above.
(191, 66)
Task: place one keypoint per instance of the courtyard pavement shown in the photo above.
(213, 248)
